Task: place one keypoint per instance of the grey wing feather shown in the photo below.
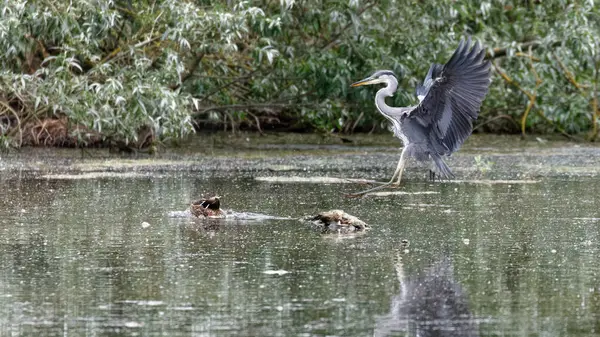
(434, 72)
(453, 96)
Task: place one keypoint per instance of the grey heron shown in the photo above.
(449, 102)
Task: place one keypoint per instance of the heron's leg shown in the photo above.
(397, 173)
(399, 168)
(376, 188)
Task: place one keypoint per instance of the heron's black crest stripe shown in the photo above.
(383, 72)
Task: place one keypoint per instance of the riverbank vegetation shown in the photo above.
(133, 73)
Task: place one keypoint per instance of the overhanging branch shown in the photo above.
(530, 45)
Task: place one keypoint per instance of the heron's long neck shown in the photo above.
(387, 111)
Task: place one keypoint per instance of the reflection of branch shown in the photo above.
(569, 75)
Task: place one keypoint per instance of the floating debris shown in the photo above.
(145, 224)
(150, 303)
(388, 193)
(338, 221)
(314, 180)
(276, 272)
(133, 324)
(282, 168)
(247, 216)
(180, 214)
(99, 175)
(491, 182)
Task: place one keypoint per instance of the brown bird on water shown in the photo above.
(207, 207)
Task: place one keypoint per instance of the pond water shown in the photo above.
(508, 259)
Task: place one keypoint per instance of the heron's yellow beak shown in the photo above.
(366, 81)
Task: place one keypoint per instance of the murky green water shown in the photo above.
(75, 260)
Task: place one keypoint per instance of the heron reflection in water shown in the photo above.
(431, 304)
(449, 102)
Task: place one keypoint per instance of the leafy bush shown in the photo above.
(129, 73)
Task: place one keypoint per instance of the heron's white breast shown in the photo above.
(398, 132)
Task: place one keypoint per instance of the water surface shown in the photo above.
(76, 260)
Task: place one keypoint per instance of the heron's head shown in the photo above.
(380, 76)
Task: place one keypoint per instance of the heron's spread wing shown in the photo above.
(452, 97)
(435, 71)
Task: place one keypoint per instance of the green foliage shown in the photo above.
(120, 70)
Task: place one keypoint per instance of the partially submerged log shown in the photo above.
(338, 221)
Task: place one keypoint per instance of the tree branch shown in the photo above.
(240, 107)
(558, 127)
(530, 45)
(510, 81)
(16, 115)
(529, 56)
(531, 95)
(594, 103)
(247, 106)
(332, 41)
(117, 51)
(219, 89)
(190, 72)
(569, 75)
